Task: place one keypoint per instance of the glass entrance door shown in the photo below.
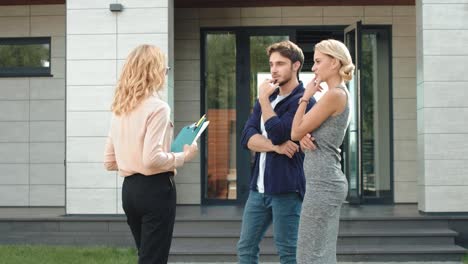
(220, 146)
(376, 123)
(352, 144)
(234, 63)
(367, 150)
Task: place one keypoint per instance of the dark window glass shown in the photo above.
(220, 85)
(24, 57)
(376, 181)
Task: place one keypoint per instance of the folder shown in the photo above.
(189, 134)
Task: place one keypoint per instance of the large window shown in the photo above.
(234, 61)
(368, 151)
(375, 107)
(220, 85)
(24, 57)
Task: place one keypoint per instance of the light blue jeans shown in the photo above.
(260, 211)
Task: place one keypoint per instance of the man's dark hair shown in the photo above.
(289, 50)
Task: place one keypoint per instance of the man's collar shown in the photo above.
(297, 89)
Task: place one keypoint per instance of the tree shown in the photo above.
(17, 56)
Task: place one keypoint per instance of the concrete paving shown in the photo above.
(413, 262)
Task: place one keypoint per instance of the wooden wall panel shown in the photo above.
(219, 149)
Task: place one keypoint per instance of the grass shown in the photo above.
(68, 255)
(73, 255)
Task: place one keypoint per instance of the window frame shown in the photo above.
(27, 71)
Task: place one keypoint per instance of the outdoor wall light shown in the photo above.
(116, 7)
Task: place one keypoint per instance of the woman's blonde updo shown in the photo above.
(143, 74)
(339, 51)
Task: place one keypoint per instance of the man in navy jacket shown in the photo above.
(277, 183)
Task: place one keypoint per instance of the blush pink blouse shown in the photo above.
(140, 141)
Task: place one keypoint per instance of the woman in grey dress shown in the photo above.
(327, 121)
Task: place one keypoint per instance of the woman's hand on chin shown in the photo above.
(313, 87)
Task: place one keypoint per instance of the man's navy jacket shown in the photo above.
(282, 174)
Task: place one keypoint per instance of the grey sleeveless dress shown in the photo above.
(326, 189)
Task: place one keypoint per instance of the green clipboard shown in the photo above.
(189, 134)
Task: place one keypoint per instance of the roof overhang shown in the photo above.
(241, 3)
(266, 3)
(31, 2)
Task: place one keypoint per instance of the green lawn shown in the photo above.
(68, 255)
(73, 255)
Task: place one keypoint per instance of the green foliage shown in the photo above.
(221, 67)
(259, 61)
(33, 55)
(367, 86)
(221, 70)
(369, 65)
(69, 255)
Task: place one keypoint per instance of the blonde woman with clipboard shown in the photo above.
(139, 148)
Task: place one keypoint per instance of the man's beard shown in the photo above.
(285, 81)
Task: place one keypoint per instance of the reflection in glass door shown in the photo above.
(352, 148)
(220, 101)
(367, 152)
(259, 61)
(234, 62)
(375, 107)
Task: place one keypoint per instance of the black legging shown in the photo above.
(150, 204)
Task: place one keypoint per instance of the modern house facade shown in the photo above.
(407, 142)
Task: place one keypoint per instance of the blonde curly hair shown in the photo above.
(142, 75)
(336, 49)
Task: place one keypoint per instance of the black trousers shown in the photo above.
(149, 203)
